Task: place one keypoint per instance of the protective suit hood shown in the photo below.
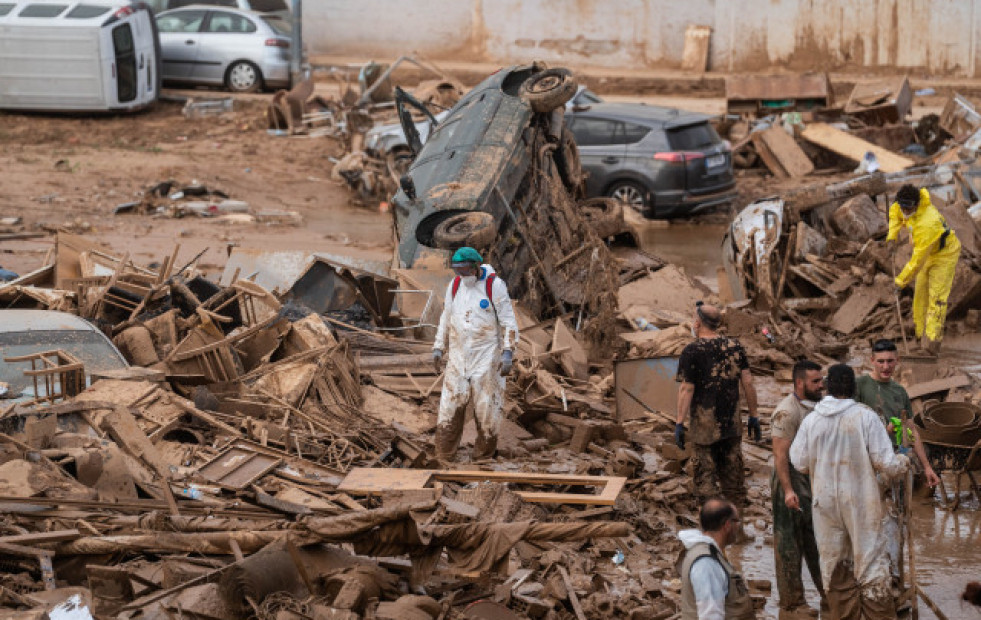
(831, 406)
(690, 538)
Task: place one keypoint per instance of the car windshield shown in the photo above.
(280, 25)
(90, 348)
(693, 137)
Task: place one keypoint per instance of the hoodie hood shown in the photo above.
(486, 270)
(690, 538)
(831, 406)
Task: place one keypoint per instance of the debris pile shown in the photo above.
(266, 453)
(176, 200)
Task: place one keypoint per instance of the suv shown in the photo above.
(661, 161)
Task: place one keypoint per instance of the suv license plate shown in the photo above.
(715, 161)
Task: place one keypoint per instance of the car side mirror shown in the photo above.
(408, 186)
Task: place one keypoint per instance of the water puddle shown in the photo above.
(695, 247)
(948, 555)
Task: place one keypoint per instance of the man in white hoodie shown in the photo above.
(479, 327)
(842, 445)
(711, 589)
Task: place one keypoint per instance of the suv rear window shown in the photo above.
(268, 6)
(43, 10)
(6, 7)
(281, 26)
(693, 137)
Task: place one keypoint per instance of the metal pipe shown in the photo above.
(296, 43)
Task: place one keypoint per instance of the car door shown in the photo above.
(601, 149)
(226, 37)
(179, 41)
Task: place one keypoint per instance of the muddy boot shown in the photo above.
(447, 439)
(484, 447)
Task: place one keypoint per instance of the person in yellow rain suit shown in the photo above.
(935, 253)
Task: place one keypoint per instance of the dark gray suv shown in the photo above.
(664, 162)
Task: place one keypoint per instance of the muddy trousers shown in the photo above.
(486, 392)
(794, 542)
(717, 470)
(933, 284)
(849, 602)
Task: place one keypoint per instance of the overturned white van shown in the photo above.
(62, 55)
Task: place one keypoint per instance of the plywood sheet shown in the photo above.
(853, 148)
(851, 314)
(696, 51)
(783, 149)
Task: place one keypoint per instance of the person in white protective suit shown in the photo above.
(479, 332)
(842, 445)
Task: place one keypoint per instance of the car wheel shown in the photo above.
(604, 216)
(476, 229)
(629, 193)
(567, 161)
(548, 90)
(243, 77)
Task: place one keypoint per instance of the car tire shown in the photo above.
(243, 77)
(631, 194)
(603, 215)
(548, 90)
(567, 161)
(476, 229)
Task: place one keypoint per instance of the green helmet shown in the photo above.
(467, 255)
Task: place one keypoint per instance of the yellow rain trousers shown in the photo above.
(935, 253)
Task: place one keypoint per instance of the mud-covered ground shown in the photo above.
(72, 171)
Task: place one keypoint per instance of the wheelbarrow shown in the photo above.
(961, 460)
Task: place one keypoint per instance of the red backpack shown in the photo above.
(490, 283)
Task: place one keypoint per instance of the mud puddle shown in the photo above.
(695, 247)
(947, 557)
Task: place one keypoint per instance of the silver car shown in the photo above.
(242, 50)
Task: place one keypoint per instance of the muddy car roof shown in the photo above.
(19, 320)
(643, 114)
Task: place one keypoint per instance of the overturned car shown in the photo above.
(501, 173)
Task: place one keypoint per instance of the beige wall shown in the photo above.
(939, 36)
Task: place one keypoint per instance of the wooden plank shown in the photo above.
(769, 159)
(937, 385)
(786, 150)
(853, 148)
(694, 57)
(573, 360)
(376, 481)
(858, 306)
(40, 538)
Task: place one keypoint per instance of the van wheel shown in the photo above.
(548, 90)
(604, 216)
(629, 193)
(476, 229)
(243, 77)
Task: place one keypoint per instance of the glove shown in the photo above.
(753, 428)
(506, 362)
(438, 360)
(679, 435)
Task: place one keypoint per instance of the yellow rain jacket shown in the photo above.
(935, 253)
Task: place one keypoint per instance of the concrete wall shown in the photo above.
(939, 36)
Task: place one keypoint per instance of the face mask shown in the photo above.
(469, 280)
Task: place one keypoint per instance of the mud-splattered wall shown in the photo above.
(939, 36)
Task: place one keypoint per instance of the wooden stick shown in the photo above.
(907, 513)
(929, 602)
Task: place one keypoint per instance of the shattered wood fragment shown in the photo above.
(853, 148)
(781, 154)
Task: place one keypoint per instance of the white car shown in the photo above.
(241, 50)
